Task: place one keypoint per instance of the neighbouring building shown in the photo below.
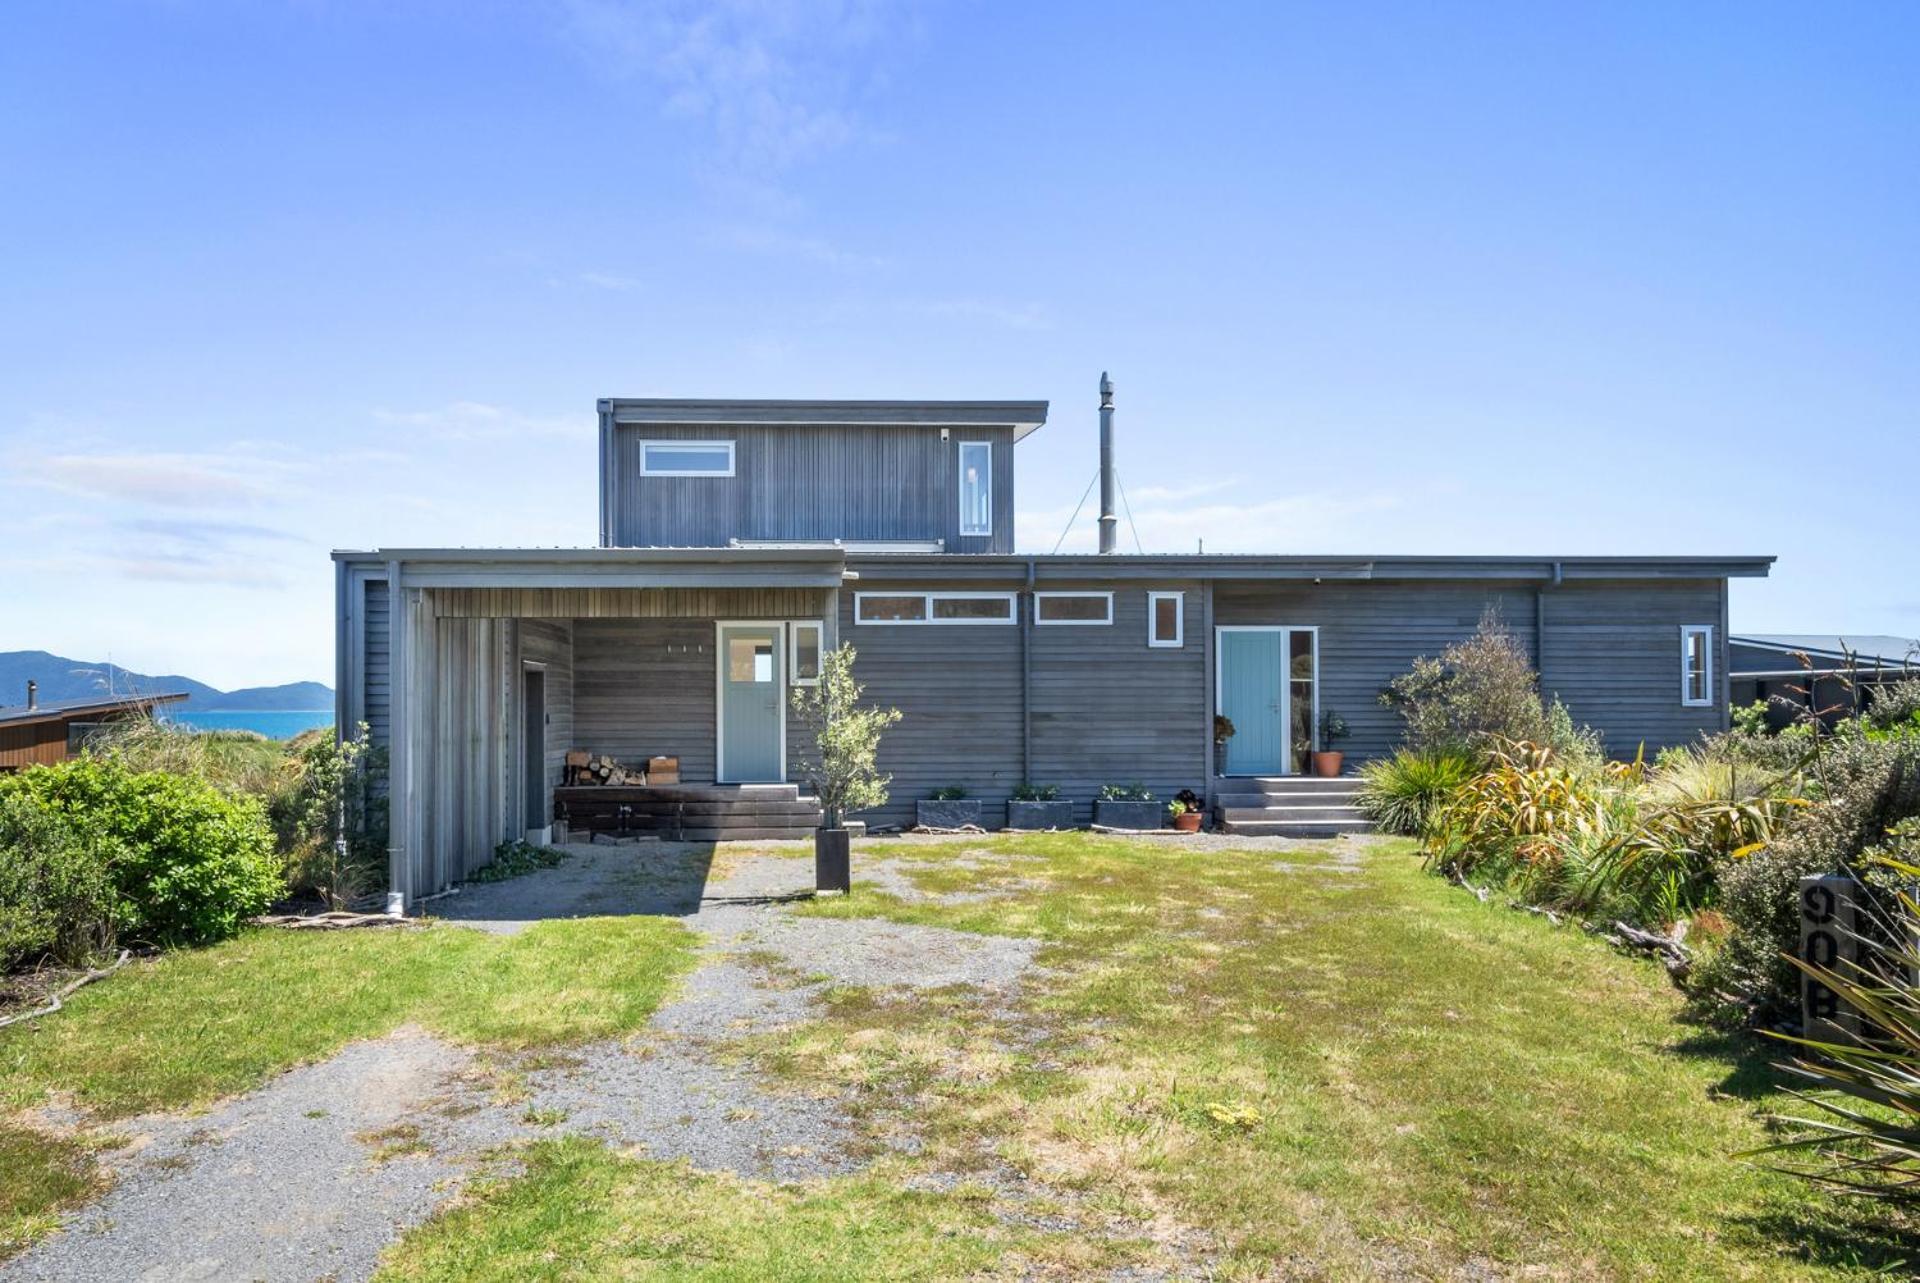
(1832, 675)
(739, 540)
(40, 734)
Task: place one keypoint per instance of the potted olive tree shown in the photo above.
(840, 761)
(1333, 729)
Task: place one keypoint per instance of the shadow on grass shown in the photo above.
(1747, 1057)
(1843, 1235)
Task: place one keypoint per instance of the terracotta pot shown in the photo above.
(1327, 764)
(1187, 822)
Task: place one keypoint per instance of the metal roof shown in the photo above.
(1867, 649)
(66, 709)
(1022, 416)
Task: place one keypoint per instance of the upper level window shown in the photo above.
(1696, 665)
(1166, 625)
(686, 458)
(933, 608)
(1073, 608)
(976, 487)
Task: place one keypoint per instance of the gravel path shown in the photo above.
(314, 1174)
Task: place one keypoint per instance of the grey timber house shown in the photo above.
(740, 539)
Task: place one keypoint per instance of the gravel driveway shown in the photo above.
(314, 1174)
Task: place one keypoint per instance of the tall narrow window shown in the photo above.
(1696, 665)
(976, 487)
(1165, 625)
(808, 641)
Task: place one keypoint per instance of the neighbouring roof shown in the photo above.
(67, 709)
(1868, 650)
(1022, 416)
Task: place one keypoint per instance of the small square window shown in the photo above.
(1166, 619)
(750, 659)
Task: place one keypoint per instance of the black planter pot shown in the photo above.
(1130, 815)
(832, 860)
(947, 815)
(1039, 815)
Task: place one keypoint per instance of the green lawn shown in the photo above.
(1249, 1061)
(1321, 1074)
(196, 1025)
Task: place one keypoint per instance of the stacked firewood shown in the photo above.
(602, 769)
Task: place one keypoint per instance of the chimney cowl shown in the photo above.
(1109, 521)
(33, 693)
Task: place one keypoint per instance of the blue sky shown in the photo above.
(1370, 278)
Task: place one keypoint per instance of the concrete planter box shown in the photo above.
(947, 815)
(1130, 815)
(1039, 815)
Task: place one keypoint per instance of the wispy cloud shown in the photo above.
(609, 281)
(778, 82)
(779, 244)
(165, 480)
(478, 421)
(1014, 316)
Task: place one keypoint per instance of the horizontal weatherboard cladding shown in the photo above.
(810, 482)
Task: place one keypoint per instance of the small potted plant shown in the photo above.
(1037, 806)
(1333, 729)
(1185, 818)
(947, 808)
(1126, 806)
(1223, 730)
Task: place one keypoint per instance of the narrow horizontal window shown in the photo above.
(933, 608)
(805, 647)
(1073, 608)
(686, 458)
(972, 608)
(976, 487)
(1166, 619)
(1696, 665)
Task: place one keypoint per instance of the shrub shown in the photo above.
(56, 886)
(193, 863)
(1503, 816)
(1027, 792)
(1863, 789)
(948, 793)
(1135, 792)
(1401, 793)
(512, 859)
(233, 761)
(1894, 705)
(328, 820)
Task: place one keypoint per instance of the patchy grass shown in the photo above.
(582, 1212)
(43, 1177)
(196, 1025)
(1369, 1071)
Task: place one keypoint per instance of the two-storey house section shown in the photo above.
(740, 541)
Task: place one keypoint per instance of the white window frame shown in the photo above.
(794, 628)
(645, 446)
(1039, 597)
(1179, 600)
(859, 600)
(1687, 632)
(960, 488)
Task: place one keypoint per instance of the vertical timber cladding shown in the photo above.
(1109, 709)
(1611, 647)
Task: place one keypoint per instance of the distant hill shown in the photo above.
(62, 678)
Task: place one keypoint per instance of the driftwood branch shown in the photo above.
(1539, 909)
(1678, 958)
(335, 921)
(67, 990)
(1459, 879)
(934, 828)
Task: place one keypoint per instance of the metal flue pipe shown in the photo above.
(1109, 523)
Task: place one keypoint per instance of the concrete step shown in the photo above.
(1341, 786)
(1298, 828)
(1302, 811)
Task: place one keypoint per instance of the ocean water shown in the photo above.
(275, 724)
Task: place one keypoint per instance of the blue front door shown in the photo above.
(1253, 696)
(752, 717)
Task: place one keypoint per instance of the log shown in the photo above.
(335, 921)
(66, 991)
